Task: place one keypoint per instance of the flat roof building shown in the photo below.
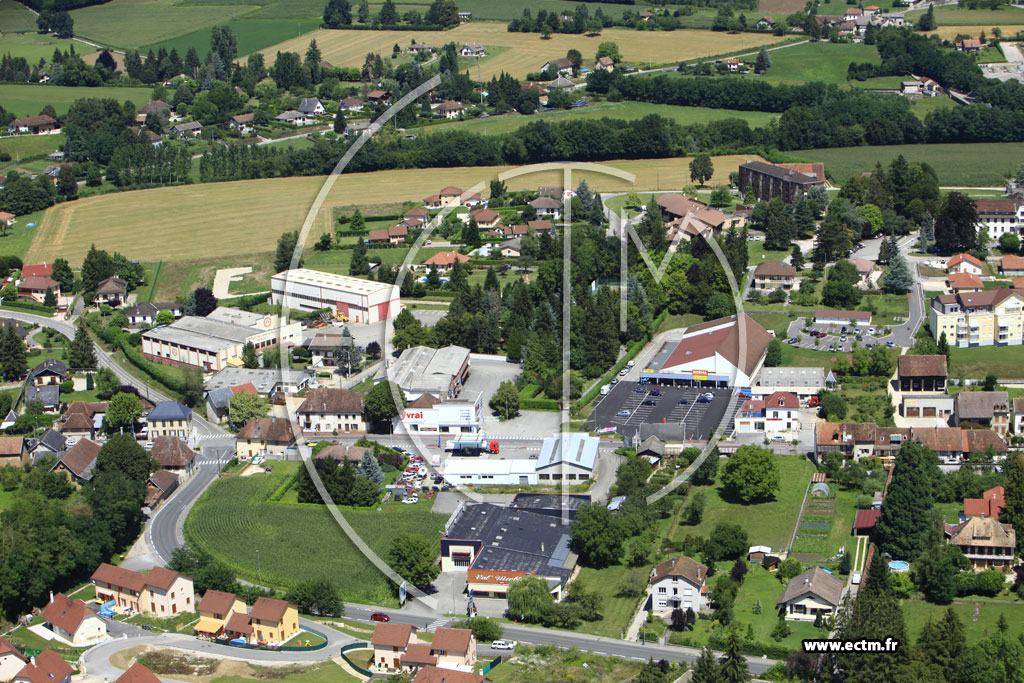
(351, 298)
(422, 370)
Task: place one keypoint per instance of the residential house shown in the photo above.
(454, 648)
(986, 318)
(910, 88)
(50, 372)
(604, 64)
(350, 104)
(78, 461)
(831, 316)
(765, 24)
(155, 107)
(111, 291)
(732, 63)
(864, 269)
(215, 608)
(159, 486)
(450, 109)
(678, 583)
(331, 411)
(395, 234)
(187, 130)
(72, 621)
(511, 248)
(36, 286)
(547, 207)
(81, 419)
(11, 661)
(989, 505)
(858, 440)
(807, 595)
(772, 275)
(270, 436)
(45, 667)
(485, 218)
(445, 260)
(1001, 215)
(416, 48)
(274, 621)
(926, 374)
(145, 313)
(162, 592)
(390, 642)
(242, 123)
(137, 673)
(356, 127)
(954, 445)
(777, 412)
(152, 138)
(935, 409)
(562, 65)
(36, 125)
(964, 282)
(296, 118)
(450, 196)
(985, 541)
(377, 96)
(170, 418)
(417, 213)
(416, 657)
(7, 218)
(342, 452)
(48, 396)
(51, 442)
(13, 452)
(788, 182)
(174, 455)
(311, 106)
(1012, 266)
(561, 83)
(985, 409)
(853, 13)
(473, 50)
(965, 263)
(969, 45)
(1018, 416)
(434, 674)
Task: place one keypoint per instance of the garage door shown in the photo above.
(929, 412)
(913, 412)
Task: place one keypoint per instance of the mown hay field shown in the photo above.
(527, 52)
(238, 219)
(234, 519)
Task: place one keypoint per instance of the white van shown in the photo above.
(630, 364)
(605, 389)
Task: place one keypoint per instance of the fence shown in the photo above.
(357, 646)
(490, 665)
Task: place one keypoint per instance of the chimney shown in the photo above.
(32, 660)
(51, 596)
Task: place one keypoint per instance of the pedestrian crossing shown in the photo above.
(437, 623)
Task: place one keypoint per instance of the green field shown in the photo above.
(27, 100)
(34, 47)
(564, 665)
(768, 523)
(253, 35)
(23, 147)
(926, 105)
(297, 542)
(629, 111)
(978, 615)
(132, 23)
(975, 164)
(18, 238)
(15, 17)
(955, 16)
(1005, 361)
(817, 62)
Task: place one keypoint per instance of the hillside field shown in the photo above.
(976, 164)
(34, 47)
(131, 23)
(628, 111)
(951, 32)
(955, 16)
(236, 219)
(527, 52)
(15, 17)
(234, 518)
(29, 99)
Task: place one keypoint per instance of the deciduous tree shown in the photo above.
(751, 474)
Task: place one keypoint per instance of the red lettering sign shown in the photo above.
(412, 416)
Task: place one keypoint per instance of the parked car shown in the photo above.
(410, 500)
(639, 390)
(890, 344)
(615, 380)
(649, 402)
(655, 392)
(792, 340)
(380, 616)
(622, 373)
(703, 398)
(503, 645)
(855, 578)
(778, 437)
(683, 402)
(534, 456)
(622, 413)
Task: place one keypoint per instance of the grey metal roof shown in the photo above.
(169, 410)
(264, 379)
(48, 395)
(791, 376)
(201, 333)
(220, 398)
(421, 369)
(576, 449)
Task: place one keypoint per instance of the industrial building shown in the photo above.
(430, 415)
(422, 370)
(351, 298)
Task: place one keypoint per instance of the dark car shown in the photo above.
(703, 399)
(655, 392)
(380, 616)
(683, 402)
(639, 390)
(649, 402)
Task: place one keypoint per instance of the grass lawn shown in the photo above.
(672, 322)
(978, 615)
(168, 625)
(803, 358)
(950, 511)
(826, 62)
(756, 253)
(132, 23)
(975, 164)
(887, 307)
(25, 147)
(926, 105)
(842, 522)
(305, 638)
(615, 610)
(15, 17)
(327, 672)
(563, 665)
(1007, 362)
(23, 639)
(19, 237)
(27, 100)
(300, 541)
(773, 321)
(33, 46)
(527, 51)
(617, 110)
(951, 32)
(7, 497)
(768, 523)
(990, 55)
(220, 213)
(955, 16)
(253, 34)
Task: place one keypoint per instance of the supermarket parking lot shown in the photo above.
(624, 408)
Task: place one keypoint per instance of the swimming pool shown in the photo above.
(899, 566)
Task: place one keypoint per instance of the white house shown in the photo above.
(11, 661)
(331, 411)
(547, 207)
(678, 582)
(311, 106)
(778, 412)
(812, 593)
(72, 622)
(473, 50)
(964, 263)
(296, 118)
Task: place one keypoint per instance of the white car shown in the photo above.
(411, 500)
(855, 578)
(503, 645)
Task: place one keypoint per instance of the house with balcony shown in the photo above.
(808, 595)
(678, 582)
(921, 374)
(994, 317)
(986, 542)
(776, 413)
(772, 275)
(161, 592)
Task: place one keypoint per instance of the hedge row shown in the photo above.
(247, 301)
(29, 306)
(538, 404)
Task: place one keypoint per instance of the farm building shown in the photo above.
(351, 298)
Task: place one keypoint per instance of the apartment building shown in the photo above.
(990, 318)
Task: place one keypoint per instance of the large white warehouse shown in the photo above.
(358, 300)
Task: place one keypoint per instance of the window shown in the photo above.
(662, 589)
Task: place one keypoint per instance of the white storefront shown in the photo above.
(351, 298)
(461, 416)
(478, 471)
